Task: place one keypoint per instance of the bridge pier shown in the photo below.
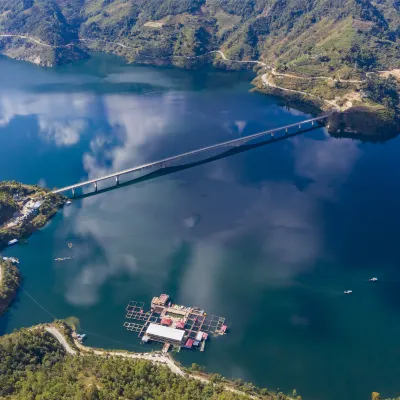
(317, 121)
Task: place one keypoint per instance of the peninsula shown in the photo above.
(24, 209)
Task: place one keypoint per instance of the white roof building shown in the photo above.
(155, 331)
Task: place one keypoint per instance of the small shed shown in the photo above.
(166, 321)
(189, 343)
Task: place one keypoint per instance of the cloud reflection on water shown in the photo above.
(61, 118)
(284, 220)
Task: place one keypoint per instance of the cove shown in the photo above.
(268, 238)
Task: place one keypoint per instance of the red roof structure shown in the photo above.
(166, 321)
(163, 298)
(205, 336)
(189, 344)
(223, 328)
(180, 325)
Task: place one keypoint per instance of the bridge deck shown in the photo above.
(165, 161)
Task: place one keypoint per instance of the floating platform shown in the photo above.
(173, 324)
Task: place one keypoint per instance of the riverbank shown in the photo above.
(10, 279)
(316, 93)
(92, 370)
(25, 209)
(362, 120)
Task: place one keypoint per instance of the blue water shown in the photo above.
(268, 238)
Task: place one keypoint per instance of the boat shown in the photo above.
(70, 245)
(348, 292)
(68, 203)
(12, 242)
(373, 279)
(80, 337)
(63, 258)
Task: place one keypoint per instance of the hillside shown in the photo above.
(10, 279)
(34, 365)
(334, 44)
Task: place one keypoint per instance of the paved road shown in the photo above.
(267, 83)
(155, 358)
(167, 161)
(273, 71)
(60, 337)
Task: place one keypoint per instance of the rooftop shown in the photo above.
(165, 332)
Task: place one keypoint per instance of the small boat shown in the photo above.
(373, 279)
(12, 242)
(63, 258)
(348, 292)
(80, 337)
(68, 203)
(70, 245)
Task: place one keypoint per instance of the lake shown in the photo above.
(268, 238)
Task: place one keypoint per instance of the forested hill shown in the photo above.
(322, 50)
(339, 34)
(33, 365)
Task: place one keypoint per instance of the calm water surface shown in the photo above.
(268, 238)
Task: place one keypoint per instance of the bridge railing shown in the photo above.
(166, 161)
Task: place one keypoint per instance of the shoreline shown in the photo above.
(26, 209)
(348, 102)
(65, 336)
(10, 279)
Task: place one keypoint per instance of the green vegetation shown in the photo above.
(342, 40)
(383, 91)
(34, 366)
(9, 282)
(13, 197)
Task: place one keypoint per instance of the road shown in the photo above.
(223, 56)
(37, 41)
(60, 337)
(267, 83)
(167, 161)
(155, 358)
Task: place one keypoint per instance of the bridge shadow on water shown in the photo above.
(170, 170)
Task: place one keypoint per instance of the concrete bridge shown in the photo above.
(280, 132)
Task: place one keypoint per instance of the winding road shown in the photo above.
(264, 77)
(154, 358)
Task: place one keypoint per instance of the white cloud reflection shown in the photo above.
(66, 133)
(139, 228)
(284, 221)
(61, 118)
